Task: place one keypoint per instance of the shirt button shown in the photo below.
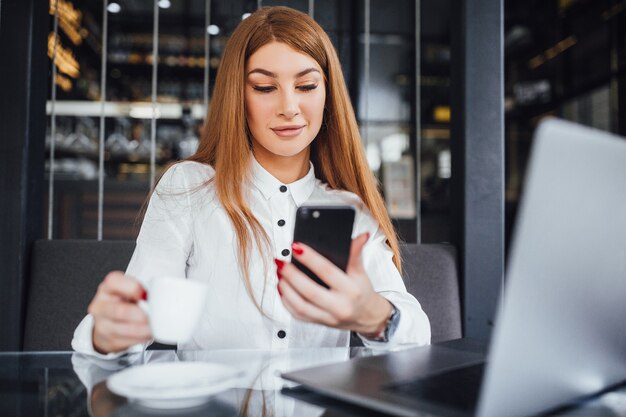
(282, 334)
(285, 252)
(283, 188)
(281, 222)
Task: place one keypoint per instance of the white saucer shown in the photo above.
(173, 384)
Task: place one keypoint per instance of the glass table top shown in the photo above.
(67, 384)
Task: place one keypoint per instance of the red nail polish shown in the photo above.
(144, 295)
(279, 264)
(278, 275)
(297, 249)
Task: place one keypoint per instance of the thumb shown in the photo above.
(356, 249)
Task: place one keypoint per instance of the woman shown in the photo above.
(281, 133)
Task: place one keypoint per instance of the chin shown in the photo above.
(290, 148)
(284, 147)
(287, 153)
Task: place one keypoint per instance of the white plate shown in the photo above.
(173, 384)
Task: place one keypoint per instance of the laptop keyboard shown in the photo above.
(457, 388)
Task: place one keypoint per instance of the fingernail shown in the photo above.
(278, 275)
(297, 249)
(144, 295)
(279, 263)
(367, 236)
(279, 292)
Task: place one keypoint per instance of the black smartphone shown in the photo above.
(328, 230)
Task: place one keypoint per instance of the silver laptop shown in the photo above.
(561, 330)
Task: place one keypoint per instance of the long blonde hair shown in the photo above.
(336, 153)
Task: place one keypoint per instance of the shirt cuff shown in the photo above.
(378, 344)
(413, 328)
(83, 342)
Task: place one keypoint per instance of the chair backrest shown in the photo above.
(64, 277)
(431, 275)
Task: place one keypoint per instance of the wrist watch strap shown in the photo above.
(390, 327)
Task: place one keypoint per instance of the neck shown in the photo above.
(286, 169)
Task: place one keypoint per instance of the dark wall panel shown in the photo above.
(478, 158)
(23, 79)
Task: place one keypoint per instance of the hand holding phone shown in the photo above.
(328, 230)
(352, 304)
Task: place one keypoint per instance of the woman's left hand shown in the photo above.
(350, 303)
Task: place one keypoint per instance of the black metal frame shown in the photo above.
(23, 85)
(477, 183)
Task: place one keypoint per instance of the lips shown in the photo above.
(287, 131)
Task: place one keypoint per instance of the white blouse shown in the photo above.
(187, 233)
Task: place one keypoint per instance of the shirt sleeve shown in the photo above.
(163, 247)
(165, 240)
(414, 326)
(82, 342)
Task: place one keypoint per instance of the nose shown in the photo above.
(289, 106)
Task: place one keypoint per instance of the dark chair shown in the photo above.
(431, 275)
(64, 277)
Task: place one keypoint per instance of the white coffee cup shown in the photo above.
(174, 308)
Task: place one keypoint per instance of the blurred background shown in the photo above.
(563, 58)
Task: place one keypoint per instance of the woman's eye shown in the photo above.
(308, 87)
(263, 89)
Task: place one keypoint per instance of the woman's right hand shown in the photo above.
(119, 322)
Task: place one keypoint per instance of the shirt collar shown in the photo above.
(300, 190)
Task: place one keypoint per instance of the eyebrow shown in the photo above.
(273, 75)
